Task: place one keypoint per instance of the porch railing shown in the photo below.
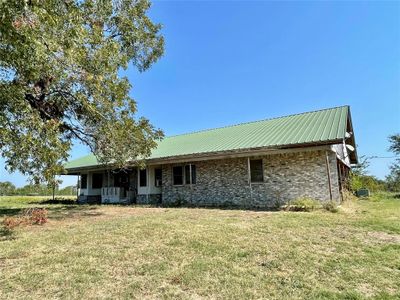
(112, 194)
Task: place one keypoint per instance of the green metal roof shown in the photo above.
(317, 127)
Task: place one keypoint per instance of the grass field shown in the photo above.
(187, 253)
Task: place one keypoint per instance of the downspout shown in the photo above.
(329, 175)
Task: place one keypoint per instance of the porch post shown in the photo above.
(190, 175)
(148, 183)
(77, 186)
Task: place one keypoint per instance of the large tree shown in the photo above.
(60, 64)
(393, 179)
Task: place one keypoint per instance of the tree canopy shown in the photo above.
(60, 82)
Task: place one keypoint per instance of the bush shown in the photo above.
(372, 183)
(302, 204)
(330, 206)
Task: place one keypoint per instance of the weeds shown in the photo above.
(330, 206)
(348, 196)
(302, 204)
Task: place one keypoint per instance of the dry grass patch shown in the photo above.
(384, 237)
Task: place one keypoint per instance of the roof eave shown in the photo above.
(269, 149)
(218, 154)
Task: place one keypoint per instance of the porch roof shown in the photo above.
(322, 127)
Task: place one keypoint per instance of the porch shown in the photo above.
(126, 186)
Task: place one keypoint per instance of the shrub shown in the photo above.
(357, 182)
(278, 201)
(302, 204)
(330, 206)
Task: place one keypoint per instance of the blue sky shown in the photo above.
(229, 62)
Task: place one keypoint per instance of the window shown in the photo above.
(143, 177)
(177, 174)
(97, 181)
(190, 169)
(158, 177)
(84, 181)
(256, 170)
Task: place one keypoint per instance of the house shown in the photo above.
(255, 164)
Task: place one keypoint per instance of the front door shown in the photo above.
(122, 180)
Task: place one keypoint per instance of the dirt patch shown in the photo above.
(366, 289)
(383, 237)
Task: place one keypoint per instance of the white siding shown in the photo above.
(89, 191)
(150, 188)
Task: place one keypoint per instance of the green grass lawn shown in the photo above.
(188, 253)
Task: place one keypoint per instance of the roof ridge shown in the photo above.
(250, 122)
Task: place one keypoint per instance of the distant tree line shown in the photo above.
(9, 189)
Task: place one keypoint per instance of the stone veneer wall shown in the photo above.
(149, 199)
(286, 177)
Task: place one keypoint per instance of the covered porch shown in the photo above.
(127, 186)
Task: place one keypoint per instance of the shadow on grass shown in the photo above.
(61, 208)
(72, 211)
(9, 212)
(56, 201)
(222, 206)
(57, 209)
(212, 207)
(6, 234)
